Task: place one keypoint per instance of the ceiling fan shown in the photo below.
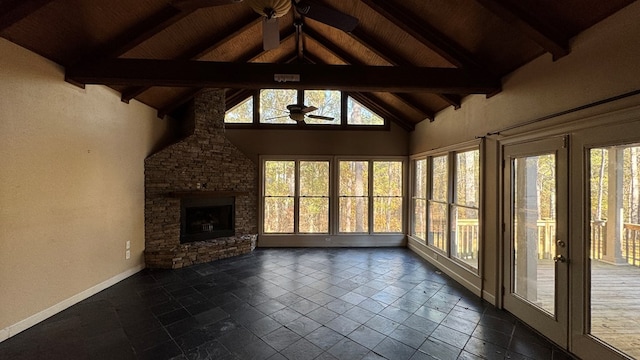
(299, 112)
(271, 10)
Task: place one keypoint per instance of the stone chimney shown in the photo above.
(205, 164)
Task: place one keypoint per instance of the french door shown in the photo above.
(605, 271)
(535, 217)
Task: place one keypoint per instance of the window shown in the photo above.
(438, 201)
(419, 199)
(241, 113)
(272, 109)
(273, 105)
(328, 102)
(359, 203)
(314, 197)
(279, 196)
(446, 203)
(354, 196)
(465, 211)
(387, 196)
(297, 196)
(358, 114)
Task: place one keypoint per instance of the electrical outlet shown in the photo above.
(127, 254)
(128, 245)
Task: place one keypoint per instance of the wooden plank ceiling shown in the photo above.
(409, 58)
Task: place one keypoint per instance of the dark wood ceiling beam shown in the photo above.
(234, 97)
(147, 72)
(179, 101)
(12, 11)
(197, 52)
(349, 59)
(543, 33)
(387, 54)
(426, 34)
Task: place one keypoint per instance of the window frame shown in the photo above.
(342, 125)
(451, 153)
(333, 196)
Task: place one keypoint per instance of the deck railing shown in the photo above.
(630, 244)
(466, 233)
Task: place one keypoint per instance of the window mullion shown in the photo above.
(296, 200)
(370, 197)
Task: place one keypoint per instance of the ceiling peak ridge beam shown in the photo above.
(385, 53)
(346, 57)
(544, 34)
(196, 52)
(427, 35)
(188, 73)
(13, 11)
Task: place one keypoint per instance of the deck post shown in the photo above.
(612, 252)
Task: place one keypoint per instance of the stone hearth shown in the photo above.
(204, 164)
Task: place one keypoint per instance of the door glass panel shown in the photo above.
(615, 246)
(534, 224)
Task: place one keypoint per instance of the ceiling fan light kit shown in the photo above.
(270, 8)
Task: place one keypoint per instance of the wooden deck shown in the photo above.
(615, 306)
(615, 303)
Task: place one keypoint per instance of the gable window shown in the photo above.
(269, 107)
(241, 113)
(446, 203)
(328, 102)
(273, 105)
(358, 114)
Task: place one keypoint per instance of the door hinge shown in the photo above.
(565, 141)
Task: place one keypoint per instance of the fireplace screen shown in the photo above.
(205, 219)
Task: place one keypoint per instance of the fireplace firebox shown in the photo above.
(206, 218)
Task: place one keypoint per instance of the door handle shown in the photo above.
(559, 258)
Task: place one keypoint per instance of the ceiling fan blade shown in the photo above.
(320, 117)
(307, 109)
(196, 4)
(331, 17)
(270, 33)
(276, 117)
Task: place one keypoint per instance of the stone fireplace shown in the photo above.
(200, 194)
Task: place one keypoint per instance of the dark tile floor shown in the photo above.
(285, 304)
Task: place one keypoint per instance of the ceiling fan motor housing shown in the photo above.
(270, 8)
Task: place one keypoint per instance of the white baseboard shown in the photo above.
(32, 320)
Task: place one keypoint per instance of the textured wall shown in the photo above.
(71, 187)
(204, 157)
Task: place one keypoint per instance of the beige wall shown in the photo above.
(320, 142)
(604, 62)
(71, 187)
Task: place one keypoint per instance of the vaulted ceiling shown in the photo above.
(405, 59)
